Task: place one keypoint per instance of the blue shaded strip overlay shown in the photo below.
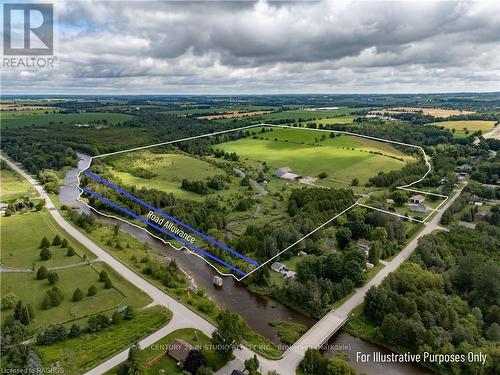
(208, 238)
(152, 225)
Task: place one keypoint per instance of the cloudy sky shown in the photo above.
(266, 47)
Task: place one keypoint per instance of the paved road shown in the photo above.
(333, 320)
(182, 316)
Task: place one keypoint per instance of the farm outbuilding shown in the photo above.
(279, 267)
(417, 199)
(281, 171)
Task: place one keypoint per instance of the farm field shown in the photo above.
(460, 127)
(190, 111)
(342, 158)
(17, 119)
(305, 115)
(88, 350)
(333, 120)
(436, 112)
(232, 114)
(13, 186)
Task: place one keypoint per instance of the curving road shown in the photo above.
(183, 317)
(333, 320)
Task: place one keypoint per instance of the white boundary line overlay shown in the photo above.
(404, 187)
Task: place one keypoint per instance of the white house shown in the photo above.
(279, 267)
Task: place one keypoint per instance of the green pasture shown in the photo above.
(17, 119)
(80, 354)
(30, 290)
(341, 120)
(31, 227)
(342, 158)
(460, 127)
(13, 186)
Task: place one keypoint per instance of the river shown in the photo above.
(257, 310)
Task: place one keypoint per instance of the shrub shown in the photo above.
(64, 243)
(55, 296)
(129, 313)
(70, 252)
(117, 317)
(51, 335)
(108, 284)
(92, 291)
(42, 273)
(97, 322)
(56, 241)
(45, 254)
(103, 276)
(53, 277)
(74, 331)
(9, 301)
(45, 243)
(77, 295)
(323, 175)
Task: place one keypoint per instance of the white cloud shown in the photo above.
(242, 47)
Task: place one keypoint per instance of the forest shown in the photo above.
(444, 300)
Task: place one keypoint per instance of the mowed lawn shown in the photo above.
(12, 186)
(21, 235)
(30, 290)
(15, 119)
(170, 170)
(342, 158)
(461, 126)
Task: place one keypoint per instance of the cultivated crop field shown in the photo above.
(40, 118)
(463, 128)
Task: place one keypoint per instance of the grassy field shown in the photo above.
(32, 227)
(13, 186)
(16, 119)
(170, 170)
(342, 158)
(461, 127)
(82, 353)
(333, 120)
(30, 290)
